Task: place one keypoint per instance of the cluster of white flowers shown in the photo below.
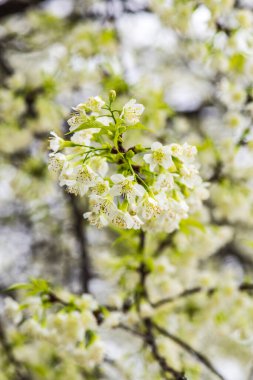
(150, 188)
(71, 327)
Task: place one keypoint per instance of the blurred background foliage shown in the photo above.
(55, 54)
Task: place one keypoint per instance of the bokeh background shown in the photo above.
(54, 54)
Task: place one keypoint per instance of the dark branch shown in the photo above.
(4, 64)
(200, 357)
(244, 287)
(167, 242)
(185, 293)
(165, 368)
(217, 174)
(231, 250)
(130, 330)
(13, 7)
(79, 230)
(148, 336)
(80, 233)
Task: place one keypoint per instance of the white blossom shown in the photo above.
(232, 95)
(12, 310)
(99, 165)
(95, 103)
(84, 136)
(160, 156)
(126, 186)
(122, 220)
(79, 180)
(149, 208)
(97, 220)
(131, 112)
(103, 206)
(77, 119)
(185, 152)
(56, 142)
(190, 176)
(101, 187)
(56, 162)
(164, 181)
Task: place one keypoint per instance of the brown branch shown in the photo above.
(5, 65)
(217, 174)
(130, 330)
(200, 357)
(80, 233)
(150, 340)
(231, 250)
(185, 293)
(54, 298)
(244, 287)
(110, 14)
(167, 242)
(141, 291)
(148, 336)
(12, 7)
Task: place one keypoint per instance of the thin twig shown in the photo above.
(244, 287)
(151, 341)
(130, 330)
(201, 358)
(185, 293)
(149, 338)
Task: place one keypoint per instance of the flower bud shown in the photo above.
(112, 95)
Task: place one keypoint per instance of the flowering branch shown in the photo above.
(204, 360)
(165, 368)
(244, 287)
(148, 334)
(20, 372)
(148, 188)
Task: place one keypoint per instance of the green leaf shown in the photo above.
(187, 224)
(88, 124)
(237, 62)
(17, 287)
(37, 286)
(249, 243)
(137, 126)
(220, 318)
(90, 337)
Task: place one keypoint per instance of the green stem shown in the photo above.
(138, 177)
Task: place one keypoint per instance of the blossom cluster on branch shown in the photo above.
(152, 188)
(171, 280)
(65, 323)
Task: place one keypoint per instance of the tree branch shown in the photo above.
(185, 293)
(150, 340)
(243, 287)
(201, 358)
(79, 230)
(231, 250)
(13, 7)
(148, 336)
